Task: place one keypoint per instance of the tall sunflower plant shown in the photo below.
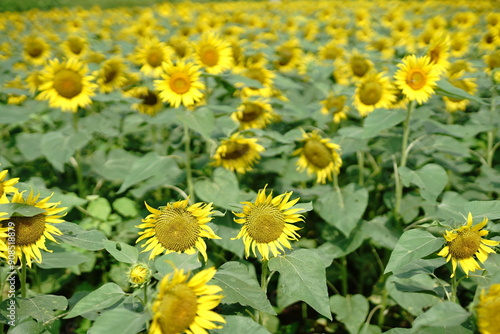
(213, 167)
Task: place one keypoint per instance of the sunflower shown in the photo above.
(237, 153)
(453, 104)
(254, 114)
(335, 104)
(32, 232)
(214, 54)
(459, 43)
(7, 186)
(257, 72)
(66, 85)
(374, 91)
(177, 227)
(318, 156)
(416, 77)
(181, 46)
(75, 46)
(185, 305)
(267, 223)
(150, 103)
(490, 40)
(488, 310)
(36, 50)
(34, 80)
(139, 274)
(359, 65)
(331, 50)
(492, 61)
(465, 244)
(111, 75)
(288, 55)
(150, 55)
(438, 51)
(180, 84)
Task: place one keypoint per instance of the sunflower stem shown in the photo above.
(490, 148)
(402, 163)
(23, 276)
(145, 296)
(345, 287)
(337, 189)
(189, 175)
(361, 167)
(263, 284)
(453, 297)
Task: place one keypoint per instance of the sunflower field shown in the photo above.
(251, 167)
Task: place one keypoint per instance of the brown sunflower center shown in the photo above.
(150, 98)
(251, 112)
(177, 309)
(265, 223)
(68, 83)
(209, 57)
(75, 45)
(416, 78)
(494, 60)
(435, 55)
(28, 229)
(370, 93)
(317, 153)
(465, 245)
(285, 56)
(177, 229)
(359, 66)
(180, 83)
(35, 49)
(333, 52)
(154, 58)
(111, 73)
(235, 150)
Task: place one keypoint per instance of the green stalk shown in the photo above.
(490, 148)
(189, 174)
(454, 285)
(23, 275)
(402, 163)
(345, 288)
(337, 189)
(361, 167)
(145, 296)
(263, 284)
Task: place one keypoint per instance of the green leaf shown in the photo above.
(480, 209)
(240, 324)
(97, 300)
(337, 244)
(125, 207)
(119, 320)
(413, 245)
(202, 121)
(29, 145)
(42, 307)
(343, 210)
(381, 119)
(14, 114)
(413, 302)
(223, 190)
(166, 264)
(241, 286)
(430, 179)
(445, 88)
(147, 166)
(350, 310)
(99, 208)
(121, 251)
(445, 314)
(27, 326)
(76, 236)
(59, 148)
(19, 209)
(303, 277)
(420, 266)
(61, 259)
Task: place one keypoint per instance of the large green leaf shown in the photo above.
(241, 286)
(76, 236)
(345, 209)
(480, 209)
(62, 259)
(420, 266)
(147, 166)
(202, 121)
(303, 277)
(381, 119)
(97, 300)
(42, 308)
(166, 264)
(445, 88)
(29, 145)
(59, 148)
(19, 209)
(121, 251)
(119, 320)
(413, 245)
(445, 314)
(350, 310)
(430, 179)
(237, 324)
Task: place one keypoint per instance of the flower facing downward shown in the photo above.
(417, 78)
(185, 305)
(177, 227)
(488, 311)
(465, 244)
(268, 223)
(238, 154)
(319, 156)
